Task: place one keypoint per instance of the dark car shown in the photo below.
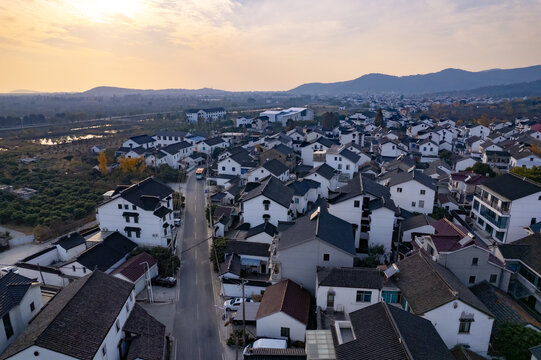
(164, 281)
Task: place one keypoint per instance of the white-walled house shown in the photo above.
(412, 190)
(165, 138)
(136, 269)
(269, 168)
(344, 161)
(326, 176)
(208, 146)
(305, 194)
(464, 163)
(193, 115)
(525, 158)
(431, 291)
(237, 164)
(293, 113)
(503, 206)
(21, 301)
(144, 141)
(392, 148)
(316, 239)
(319, 145)
(268, 202)
(368, 207)
(142, 212)
(284, 312)
(347, 289)
(479, 130)
(72, 328)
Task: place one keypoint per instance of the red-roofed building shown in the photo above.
(462, 186)
(469, 258)
(133, 270)
(284, 312)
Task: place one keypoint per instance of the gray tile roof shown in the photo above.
(107, 253)
(350, 277)
(358, 186)
(427, 285)
(275, 167)
(273, 189)
(511, 186)
(398, 177)
(527, 250)
(387, 332)
(146, 194)
(149, 341)
(416, 221)
(70, 324)
(13, 287)
(176, 147)
(327, 227)
(240, 247)
(266, 227)
(142, 139)
(324, 170)
(70, 241)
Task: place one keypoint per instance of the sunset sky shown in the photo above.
(74, 45)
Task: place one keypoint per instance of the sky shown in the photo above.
(241, 45)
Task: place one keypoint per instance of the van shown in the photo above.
(265, 344)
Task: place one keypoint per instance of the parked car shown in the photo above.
(235, 303)
(164, 281)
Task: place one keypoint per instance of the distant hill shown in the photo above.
(529, 89)
(442, 81)
(117, 91)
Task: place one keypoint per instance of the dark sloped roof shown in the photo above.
(176, 147)
(273, 189)
(146, 194)
(503, 306)
(70, 241)
(149, 343)
(231, 265)
(247, 248)
(416, 221)
(396, 178)
(214, 141)
(107, 253)
(162, 211)
(303, 186)
(13, 287)
(135, 266)
(244, 159)
(287, 297)
(324, 226)
(286, 150)
(387, 332)
(526, 250)
(350, 277)
(142, 139)
(73, 325)
(511, 186)
(265, 227)
(275, 167)
(357, 186)
(428, 285)
(350, 155)
(324, 170)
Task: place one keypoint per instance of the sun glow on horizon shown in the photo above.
(102, 11)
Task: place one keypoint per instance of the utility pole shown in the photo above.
(147, 282)
(243, 313)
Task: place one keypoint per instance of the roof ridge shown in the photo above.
(397, 330)
(433, 269)
(455, 227)
(284, 295)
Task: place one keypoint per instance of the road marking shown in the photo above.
(199, 350)
(196, 281)
(197, 311)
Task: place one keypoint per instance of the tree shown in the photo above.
(445, 155)
(513, 340)
(329, 120)
(131, 165)
(533, 174)
(290, 124)
(102, 163)
(482, 169)
(379, 118)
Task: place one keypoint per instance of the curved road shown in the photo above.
(196, 318)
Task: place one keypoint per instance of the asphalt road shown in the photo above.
(196, 318)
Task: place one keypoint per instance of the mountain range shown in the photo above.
(447, 80)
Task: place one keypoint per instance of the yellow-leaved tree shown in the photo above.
(102, 163)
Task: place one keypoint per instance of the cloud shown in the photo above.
(261, 44)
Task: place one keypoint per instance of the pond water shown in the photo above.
(65, 139)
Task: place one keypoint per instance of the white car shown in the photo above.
(235, 303)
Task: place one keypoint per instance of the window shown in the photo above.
(413, 204)
(8, 328)
(134, 207)
(422, 192)
(475, 261)
(120, 206)
(223, 168)
(464, 327)
(421, 203)
(266, 204)
(233, 169)
(104, 350)
(399, 190)
(137, 234)
(126, 206)
(347, 167)
(32, 306)
(493, 278)
(472, 280)
(73, 268)
(127, 219)
(356, 203)
(390, 297)
(284, 332)
(117, 324)
(326, 257)
(127, 308)
(364, 296)
(296, 200)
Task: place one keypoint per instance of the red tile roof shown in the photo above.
(134, 268)
(287, 297)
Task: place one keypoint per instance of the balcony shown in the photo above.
(501, 206)
(498, 221)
